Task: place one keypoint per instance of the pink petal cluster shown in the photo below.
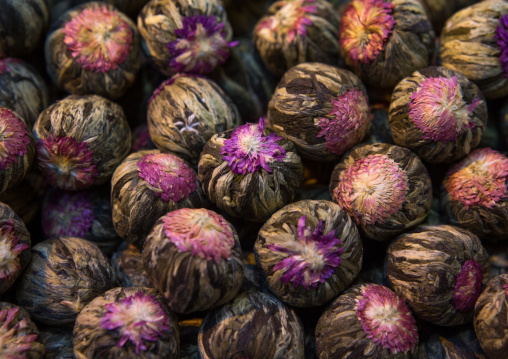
(249, 150)
(168, 176)
(12, 344)
(386, 319)
(311, 259)
(136, 318)
(479, 179)
(365, 29)
(66, 163)
(10, 248)
(502, 41)
(201, 232)
(468, 286)
(201, 45)
(98, 38)
(505, 287)
(13, 138)
(372, 189)
(438, 109)
(347, 121)
(8, 60)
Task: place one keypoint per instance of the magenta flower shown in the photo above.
(468, 286)
(136, 318)
(249, 150)
(13, 138)
(8, 60)
(311, 259)
(386, 319)
(201, 45)
(98, 38)
(168, 176)
(12, 344)
(10, 248)
(201, 232)
(502, 41)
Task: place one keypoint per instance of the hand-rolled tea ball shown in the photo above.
(440, 271)
(438, 113)
(474, 41)
(185, 111)
(186, 36)
(385, 41)
(94, 50)
(65, 274)
(439, 11)
(474, 194)
(253, 325)
(193, 258)
(80, 141)
(57, 342)
(324, 110)
(294, 32)
(310, 251)
(127, 323)
(386, 189)
(127, 262)
(19, 336)
(250, 172)
(491, 318)
(368, 321)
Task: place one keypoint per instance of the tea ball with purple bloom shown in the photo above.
(127, 263)
(310, 251)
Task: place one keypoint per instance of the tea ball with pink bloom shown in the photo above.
(127, 323)
(294, 32)
(193, 258)
(95, 49)
(309, 251)
(368, 321)
(80, 141)
(147, 185)
(185, 111)
(324, 110)
(250, 172)
(440, 271)
(385, 189)
(438, 113)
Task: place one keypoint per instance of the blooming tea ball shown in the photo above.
(368, 321)
(127, 263)
(250, 172)
(65, 274)
(94, 50)
(80, 141)
(438, 113)
(324, 110)
(253, 325)
(440, 271)
(310, 251)
(127, 323)
(385, 189)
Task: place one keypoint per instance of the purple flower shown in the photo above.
(468, 286)
(13, 345)
(13, 138)
(502, 41)
(10, 248)
(249, 150)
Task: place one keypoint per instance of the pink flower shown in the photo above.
(12, 343)
(14, 138)
(468, 286)
(10, 248)
(502, 41)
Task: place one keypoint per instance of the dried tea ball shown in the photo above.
(439, 11)
(474, 194)
(80, 141)
(253, 325)
(19, 336)
(65, 274)
(491, 318)
(250, 172)
(127, 323)
(127, 262)
(368, 321)
(58, 343)
(294, 32)
(386, 189)
(310, 251)
(440, 271)
(385, 41)
(193, 258)
(95, 50)
(186, 36)
(147, 185)
(474, 41)
(185, 111)
(438, 113)
(324, 110)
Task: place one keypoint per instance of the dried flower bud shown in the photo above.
(58, 342)
(450, 256)
(128, 265)
(80, 141)
(64, 275)
(438, 113)
(321, 108)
